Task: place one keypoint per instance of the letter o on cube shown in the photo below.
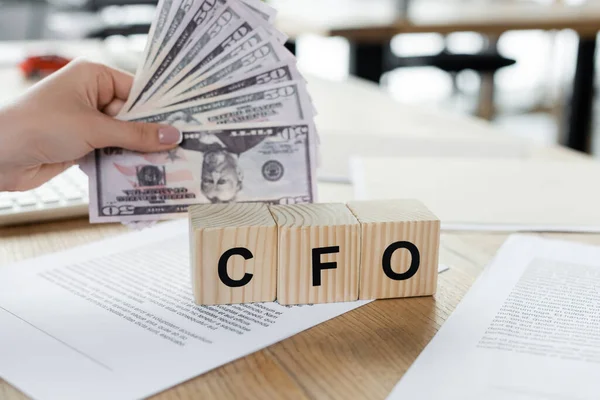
(400, 248)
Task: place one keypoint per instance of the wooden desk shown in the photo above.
(370, 25)
(360, 355)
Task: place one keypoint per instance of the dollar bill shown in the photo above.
(184, 71)
(234, 18)
(201, 11)
(176, 16)
(194, 63)
(218, 56)
(230, 28)
(165, 8)
(256, 57)
(268, 75)
(271, 163)
(159, 37)
(279, 102)
(163, 19)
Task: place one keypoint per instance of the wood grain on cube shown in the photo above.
(303, 228)
(384, 223)
(215, 229)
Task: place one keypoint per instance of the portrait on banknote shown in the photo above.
(270, 164)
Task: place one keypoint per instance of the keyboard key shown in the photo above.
(27, 201)
(6, 204)
(49, 197)
(72, 194)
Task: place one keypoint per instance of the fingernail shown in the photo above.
(169, 135)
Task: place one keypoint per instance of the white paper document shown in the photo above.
(488, 194)
(116, 320)
(529, 329)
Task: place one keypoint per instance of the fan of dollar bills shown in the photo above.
(218, 70)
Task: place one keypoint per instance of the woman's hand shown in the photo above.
(65, 117)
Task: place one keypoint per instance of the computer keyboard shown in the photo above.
(65, 196)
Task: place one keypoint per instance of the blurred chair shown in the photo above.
(485, 63)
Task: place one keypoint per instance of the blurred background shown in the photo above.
(523, 80)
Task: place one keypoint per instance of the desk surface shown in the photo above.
(359, 355)
(378, 20)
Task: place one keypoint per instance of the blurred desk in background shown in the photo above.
(361, 354)
(370, 26)
(378, 21)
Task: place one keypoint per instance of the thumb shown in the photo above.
(135, 136)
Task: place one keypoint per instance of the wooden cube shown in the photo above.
(400, 248)
(233, 253)
(319, 253)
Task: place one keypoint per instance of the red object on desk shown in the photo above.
(42, 66)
